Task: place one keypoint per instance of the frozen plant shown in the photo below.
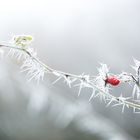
(20, 48)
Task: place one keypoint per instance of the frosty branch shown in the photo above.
(100, 84)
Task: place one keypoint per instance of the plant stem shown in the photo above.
(80, 78)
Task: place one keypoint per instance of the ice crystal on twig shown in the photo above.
(28, 55)
(136, 89)
(100, 79)
(34, 69)
(122, 100)
(93, 95)
(110, 101)
(125, 77)
(84, 80)
(103, 71)
(69, 80)
(137, 66)
(17, 54)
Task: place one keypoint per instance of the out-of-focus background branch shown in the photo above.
(71, 36)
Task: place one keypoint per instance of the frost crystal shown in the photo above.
(18, 54)
(136, 89)
(100, 79)
(84, 80)
(69, 80)
(122, 100)
(103, 71)
(35, 69)
(125, 77)
(30, 64)
(137, 65)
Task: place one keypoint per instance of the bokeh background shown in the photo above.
(72, 36)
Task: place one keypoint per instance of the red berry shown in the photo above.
(112, 80)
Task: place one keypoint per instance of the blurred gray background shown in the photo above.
(72, 36)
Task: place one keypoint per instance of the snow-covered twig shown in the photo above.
(100, 84)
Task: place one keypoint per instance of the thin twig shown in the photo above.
(81, 78)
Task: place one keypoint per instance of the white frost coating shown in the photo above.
(36, 69)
